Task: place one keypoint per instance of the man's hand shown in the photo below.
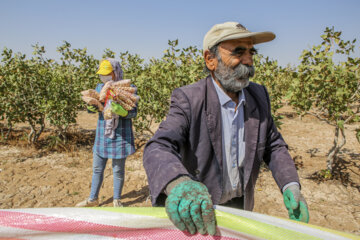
(296, 204)
(190, 208)
(92, 108)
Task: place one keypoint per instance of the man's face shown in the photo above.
(234, 65)
(237, 51)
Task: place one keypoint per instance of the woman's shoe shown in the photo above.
(88, 203)
(117, 203)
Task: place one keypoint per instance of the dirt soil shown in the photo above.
(33, 178)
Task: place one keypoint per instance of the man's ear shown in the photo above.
(210, 60)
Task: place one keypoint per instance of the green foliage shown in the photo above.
(24, 92)
(38, 89)
(276, 79)
(328, 90)
(325, 174)
(157, 80)
(72, 75)
(322, 85)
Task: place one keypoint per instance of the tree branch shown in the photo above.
(321, 118)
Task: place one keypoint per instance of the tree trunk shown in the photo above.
(37, 135)
(62, 133)
(34, 135)
(332, 156)
(6, 137)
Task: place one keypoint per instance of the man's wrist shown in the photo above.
(175, 182)
(288, 185)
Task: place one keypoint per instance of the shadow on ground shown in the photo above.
(140, 196)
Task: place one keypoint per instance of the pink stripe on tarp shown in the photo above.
(11, 238)
(39, 222)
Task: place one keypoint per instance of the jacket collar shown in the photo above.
(252, 124)
(213, 119)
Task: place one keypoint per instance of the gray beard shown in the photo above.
(233, 79)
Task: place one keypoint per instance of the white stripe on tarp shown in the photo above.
(102, 217)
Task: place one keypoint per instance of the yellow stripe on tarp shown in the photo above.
(158, 212)
(342, 234)
(329, 230)
(227, 220)
(258, 229)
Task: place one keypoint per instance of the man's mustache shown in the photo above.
(244, 71)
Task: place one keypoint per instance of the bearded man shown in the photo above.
(215, 136)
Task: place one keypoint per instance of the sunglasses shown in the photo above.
(239, 51)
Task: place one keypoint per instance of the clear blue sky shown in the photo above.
(144, 27)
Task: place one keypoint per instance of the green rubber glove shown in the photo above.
(92, 108)
(118, 109)
(190, 208)
(296, 204)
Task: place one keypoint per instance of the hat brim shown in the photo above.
(103, 71)
(257, 37)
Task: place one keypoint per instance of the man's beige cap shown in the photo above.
(233, 30)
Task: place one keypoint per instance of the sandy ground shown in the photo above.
(37, 178)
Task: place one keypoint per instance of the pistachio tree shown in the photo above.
(328, 88)
(157, 79)
(25, 81)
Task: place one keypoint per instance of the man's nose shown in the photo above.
(247, 59)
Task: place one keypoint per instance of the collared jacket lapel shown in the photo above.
(252, 122)
(213, 117)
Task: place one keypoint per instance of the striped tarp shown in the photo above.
(148, 223)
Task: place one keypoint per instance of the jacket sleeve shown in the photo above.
(162, 158)
(276, 154)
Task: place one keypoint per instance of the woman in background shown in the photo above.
(114, 139)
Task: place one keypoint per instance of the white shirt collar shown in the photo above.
(224, 98)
